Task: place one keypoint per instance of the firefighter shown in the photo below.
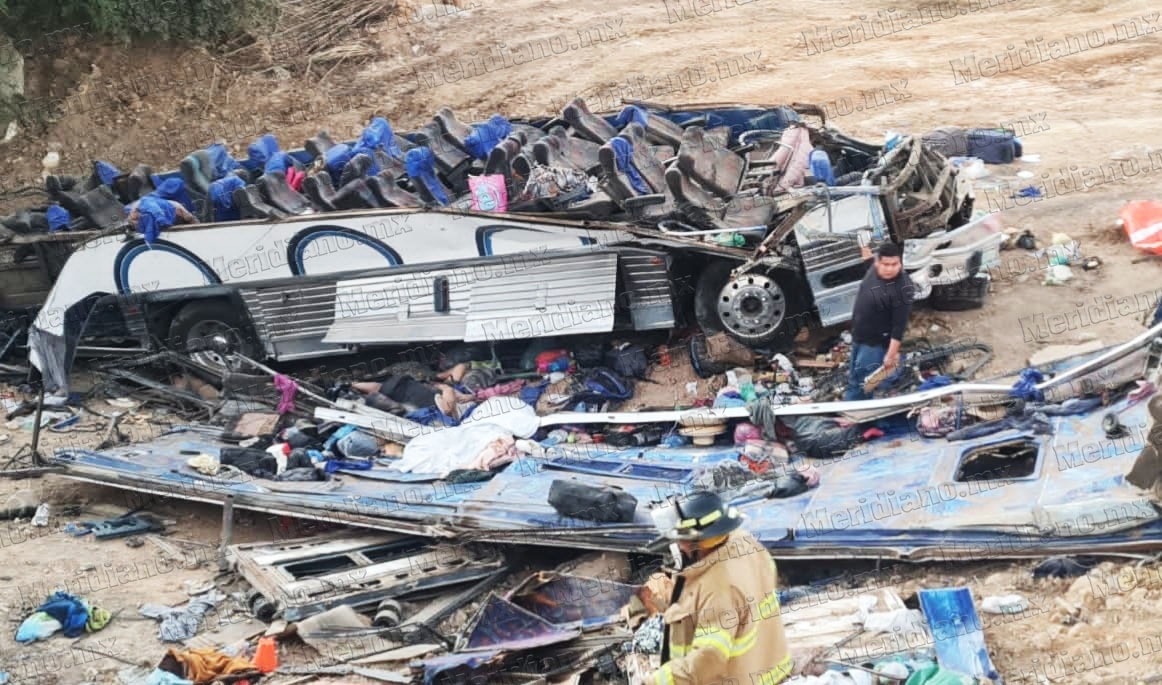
(723, 624)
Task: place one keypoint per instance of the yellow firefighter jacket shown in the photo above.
(723, 626)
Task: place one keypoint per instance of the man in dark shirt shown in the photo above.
(879, 319)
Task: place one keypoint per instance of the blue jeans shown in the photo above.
(864, 360)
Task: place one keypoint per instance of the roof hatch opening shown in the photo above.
(999, 461)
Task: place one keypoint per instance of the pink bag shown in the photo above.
(488, 193)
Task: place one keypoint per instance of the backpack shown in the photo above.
(628, 360)
(601, 503)
(602, 385)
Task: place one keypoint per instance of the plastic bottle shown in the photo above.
(40, 518)
(821, 166)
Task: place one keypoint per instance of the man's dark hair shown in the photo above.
(888, 250)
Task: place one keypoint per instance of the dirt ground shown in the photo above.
(1094, 111)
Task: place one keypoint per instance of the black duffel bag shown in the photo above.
(601, 503)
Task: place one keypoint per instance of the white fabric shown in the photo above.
(519, 418)
(441, 452)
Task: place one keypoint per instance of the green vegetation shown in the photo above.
(198, 21)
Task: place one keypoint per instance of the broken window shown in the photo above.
(999, 461)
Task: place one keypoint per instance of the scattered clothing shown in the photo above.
(182, 623)
(1071, 406)
(1026, 387)
(257, 463)
(286, 388)
(1036, 422)
(204, 665)
(65, 612)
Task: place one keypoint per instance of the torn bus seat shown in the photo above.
(587, 124)
(561, 149)
(260, 152)
(278, 193)
(422, 172)
(317, 145)
(451, 160)
(379, 136)
(648, 163)
(386, 190)
(98, 206)
(386, 162)
(353, 195)
(500, 162)
(657, 128)
(359, 166)
(197, 171)
(627, 188)
(221, 206)
(250, 204)
(713, 167)
(454, 130)
(335, 159)
(700, 206)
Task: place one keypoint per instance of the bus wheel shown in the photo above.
(208, 330)
(756, 309)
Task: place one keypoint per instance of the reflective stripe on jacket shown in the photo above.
(725, 627)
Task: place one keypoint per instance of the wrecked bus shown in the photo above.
(706, 216)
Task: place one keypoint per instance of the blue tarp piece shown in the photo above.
(421, 164)
(261, 151)
(154, 214)
(623, 156)
(630, 114)
(220, 160)
(1026, 387)
(58, 218)
(957, 630)
(174, 189)
(337, 158)
(378, 136)
(487, 135)
(106, 172)
(222, 197)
